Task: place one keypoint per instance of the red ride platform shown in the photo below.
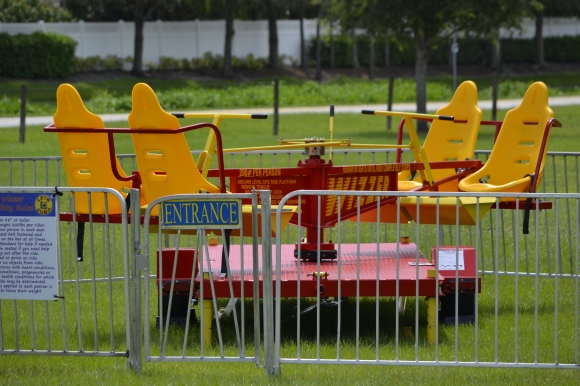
(353, 259)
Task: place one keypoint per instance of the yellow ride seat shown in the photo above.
(164, 161)
(448, 140)
(85, 156)
(516, 151)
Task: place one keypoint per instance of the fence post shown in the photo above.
(390, 99)
(268, 295)
(137, 265)
(276, 104)
(22, 113)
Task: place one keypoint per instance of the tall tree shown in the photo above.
(429, 24)
(229, 9)
(550, 8)
(272, 15)
(318, 75)
(538, 11)
(494, 15)
(141, 12)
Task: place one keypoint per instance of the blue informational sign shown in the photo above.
(206, 214)
(26, 204)
(28, 247)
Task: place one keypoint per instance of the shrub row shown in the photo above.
(207, 62)
(471, 51)
(37, 56)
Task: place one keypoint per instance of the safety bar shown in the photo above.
(213, 115)
(408, 115)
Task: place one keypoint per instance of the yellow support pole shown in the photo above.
(432, 310)
(419, 153)
(204, 160)
(331, 129)
(207, 320)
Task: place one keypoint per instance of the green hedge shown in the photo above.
(471, 51)
(37, 56)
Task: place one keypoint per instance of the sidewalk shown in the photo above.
(338, 109)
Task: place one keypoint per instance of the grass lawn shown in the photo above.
(246, 133)
(109, 96)
(362, 129)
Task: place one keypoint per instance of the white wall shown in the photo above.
(192, 39)
(177, 39)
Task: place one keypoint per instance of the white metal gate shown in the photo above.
(205, 305)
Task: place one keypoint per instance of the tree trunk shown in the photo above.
(540, 59)
(228, 71)
(331, 45)
(371, 57)
(422, 57)
(138, 50)
(387, 53)
(302, 52)
(355, 62)
(318, 75)
(273, 34)
(495, 51)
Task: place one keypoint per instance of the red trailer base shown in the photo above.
(412, 271)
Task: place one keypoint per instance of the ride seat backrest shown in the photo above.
(516, 150)
(85, 156)
(164, 161)
(453, 141)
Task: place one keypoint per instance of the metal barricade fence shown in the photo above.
(205, 305)
(400, 293)
(547, 255)
(90, 316)
(560, 174)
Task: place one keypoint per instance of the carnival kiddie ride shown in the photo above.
(444, 163)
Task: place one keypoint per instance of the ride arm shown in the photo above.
(418, 151)
(204, 160)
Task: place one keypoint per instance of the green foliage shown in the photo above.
(36, 56)
(26, 11)
(562, 49)
(189, 95)
(187, 10)
(471, 51)
(11, 106)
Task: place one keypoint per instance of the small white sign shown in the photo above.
(448, 258)
(28, 254)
